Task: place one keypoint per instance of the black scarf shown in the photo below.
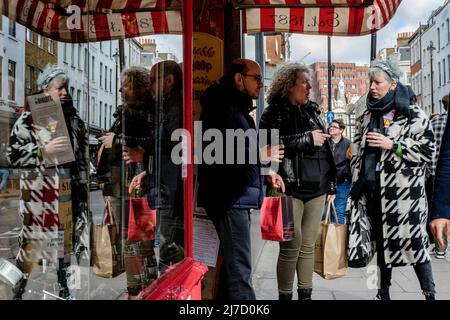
(398, 99)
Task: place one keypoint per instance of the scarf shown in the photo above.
(398, 99)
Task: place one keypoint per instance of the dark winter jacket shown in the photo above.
(229, 186)
(440, 207)
(307, 171)
(132, 128)
(165, 184)
(342, 162)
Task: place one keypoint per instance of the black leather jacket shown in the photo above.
(296, 135)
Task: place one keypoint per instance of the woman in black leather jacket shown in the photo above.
(308, 172)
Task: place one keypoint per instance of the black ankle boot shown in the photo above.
(304, 293)
(383, 294)
(19, 289)
(429, 295)
(285, 296)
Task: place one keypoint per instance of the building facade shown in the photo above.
(12, 84)
(415, 44)
(92, 69)
(435, 53)
(353, 77)
(39, 52)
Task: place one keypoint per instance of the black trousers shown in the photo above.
(423, 271)
(233, 229)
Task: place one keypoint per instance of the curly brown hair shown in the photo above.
(284, 79)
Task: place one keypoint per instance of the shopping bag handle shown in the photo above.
(328, 216)
(108, 212)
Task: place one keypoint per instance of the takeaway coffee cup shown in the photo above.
(9, 273)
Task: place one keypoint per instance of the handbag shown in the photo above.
(141, 220)
(107, 259)
(330, 256)
(277, 220)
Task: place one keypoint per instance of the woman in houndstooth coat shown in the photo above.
(388, 206)
(52, 198)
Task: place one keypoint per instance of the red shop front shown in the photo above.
(211, 38)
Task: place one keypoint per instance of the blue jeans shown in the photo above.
(340, 203)
(233, 229)
(5, 175)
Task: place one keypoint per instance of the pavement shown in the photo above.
(357, 284)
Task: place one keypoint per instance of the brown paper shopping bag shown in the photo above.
(106, 258)
(330, 256)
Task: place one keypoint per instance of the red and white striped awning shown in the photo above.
(325, 20)
(95, 20)
(243, 4)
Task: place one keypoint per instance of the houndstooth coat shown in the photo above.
(54, 198)
(403, 199)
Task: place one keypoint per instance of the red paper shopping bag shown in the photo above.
(141, 221)
(277, 222)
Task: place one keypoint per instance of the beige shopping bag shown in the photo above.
(106, 251)
(330, 260)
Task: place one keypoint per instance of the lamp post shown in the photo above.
(116, 58)
(329, 73)
(431, 48)
(303, 58)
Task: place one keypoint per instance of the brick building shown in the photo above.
(354, 77)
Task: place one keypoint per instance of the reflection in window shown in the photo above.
(12, 28)
(72, 55)
(11, 80)
(100, 115)
(86, 62)
(101, 73)
(93, 69)
(78, 102)
(29, 72)
(29, 35)
(106, 78)
(1, 73)
(79, 55)
(92, 110)
(40, 41)
(50, 46)
(84, 111)
(65, 52)
(111, 115)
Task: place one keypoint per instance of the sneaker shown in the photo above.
(439, 254)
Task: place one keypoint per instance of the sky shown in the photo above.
(344, 49)
(357, 49)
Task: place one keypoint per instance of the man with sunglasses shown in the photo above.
(228, 191)
(342, 152)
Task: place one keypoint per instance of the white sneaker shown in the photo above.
(439, 254)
